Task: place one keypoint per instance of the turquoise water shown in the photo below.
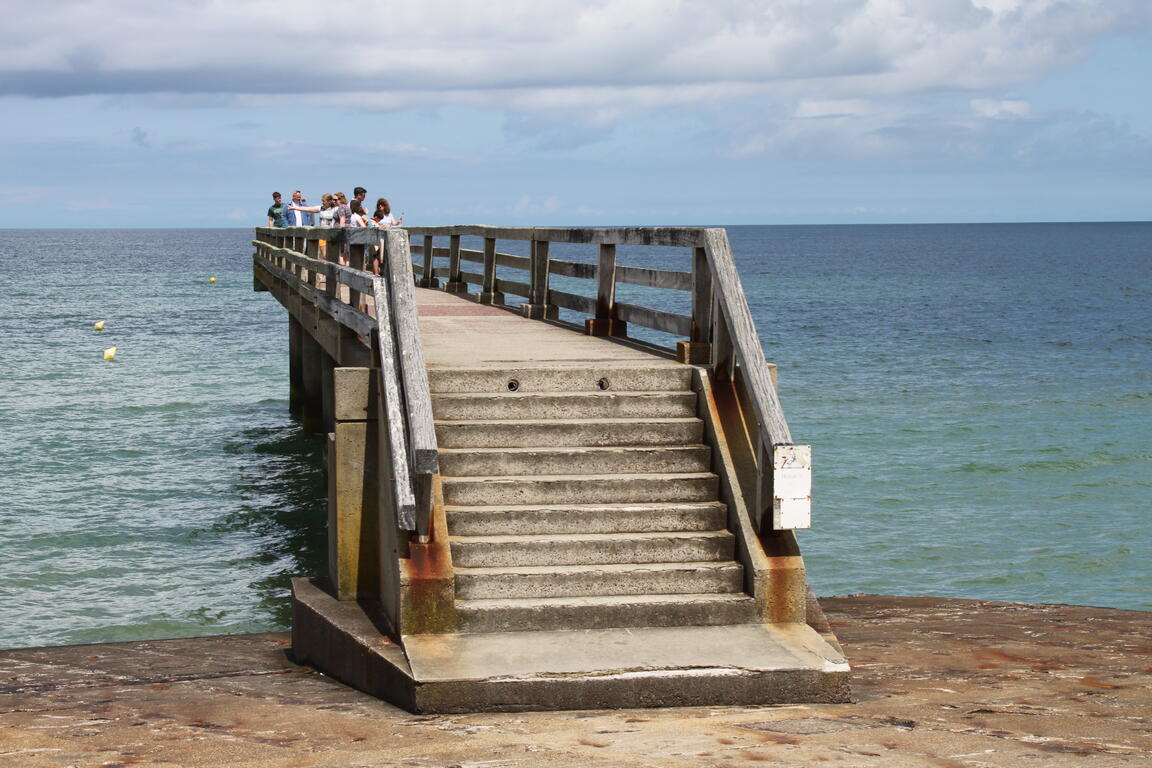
(978, 398)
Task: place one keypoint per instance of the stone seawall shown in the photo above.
(937, 683)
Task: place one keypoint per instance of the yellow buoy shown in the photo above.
(211, 279)
(110, 353)
(99, 326)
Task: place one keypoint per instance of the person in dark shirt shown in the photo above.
(276, 211)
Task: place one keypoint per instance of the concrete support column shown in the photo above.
(328, 395)
(312, 376)
(353, 491)
(295, 367)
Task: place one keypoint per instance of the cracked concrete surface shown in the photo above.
(944, 683)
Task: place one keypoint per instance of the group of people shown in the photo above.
(335, 210)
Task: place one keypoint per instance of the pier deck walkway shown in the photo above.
(459, 333)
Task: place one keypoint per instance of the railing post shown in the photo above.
(332, 256)
(723, 356)
(428, 279)
(356, 255)
(312, 251)
(455, 282)
(488, 292)
(605, 322)
(698, 349)
(537, 306)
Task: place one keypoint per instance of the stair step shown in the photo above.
(579, 489)
(567, 405)
(591, 548)
(605, 612)
(590, 580)
(585, 518)
(702, 666)
(471, 462)
(527, 433)
(584, 377)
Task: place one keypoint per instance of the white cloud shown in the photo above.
(545, 51)
(809, 108)
(1001, 108)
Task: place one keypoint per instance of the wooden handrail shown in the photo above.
(424, 457)
(407, 432)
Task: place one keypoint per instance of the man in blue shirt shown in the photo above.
(297, 218)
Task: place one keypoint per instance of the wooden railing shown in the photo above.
(379, 311)
(719, 333)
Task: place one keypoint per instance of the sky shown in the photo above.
(127, 113)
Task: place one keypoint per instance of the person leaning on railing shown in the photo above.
(326, 209)
(383, 215)
(325, 212)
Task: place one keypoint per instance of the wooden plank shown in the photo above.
(701, 297)
(513, 262)
(349, 317)
(514, 287)
(689, 237)
(606, 282)
(328, 234)
(415, 373)
(572, 301)
(454, 259)
(393, 416)
(656, 319)
(539, 272)
(745, 342)
(361, 235)
(572, 269)
(474, 278)
(502, 259)
(356, 256)
(429, 252)
(312, 251)
(654, 278)
(423, 458)
(723, 357)
(356, 279)
(489, 284)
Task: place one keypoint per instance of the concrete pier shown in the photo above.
(941, 683)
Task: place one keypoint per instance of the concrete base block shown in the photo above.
(596, 326)
(347, 641)
(490, 297)
(750, 664)
(456, 286)
(539, 311)
(694, 352)
(428, 282)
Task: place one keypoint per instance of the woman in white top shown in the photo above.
(383, 216)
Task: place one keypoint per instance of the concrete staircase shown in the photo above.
(592, 565)
(580, 501)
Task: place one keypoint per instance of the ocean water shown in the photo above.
(979, 400)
